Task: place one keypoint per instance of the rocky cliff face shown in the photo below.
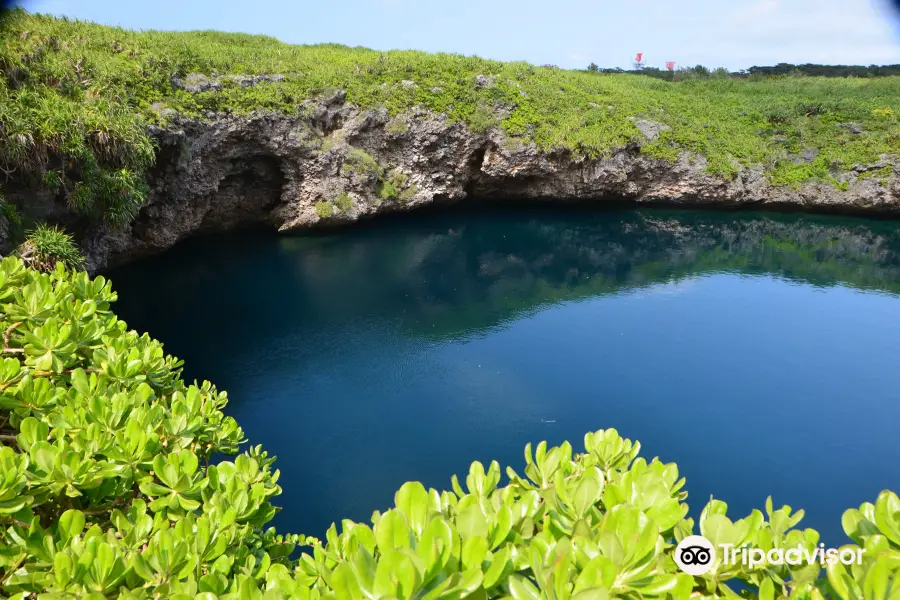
(334, 164)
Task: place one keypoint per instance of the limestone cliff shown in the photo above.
(333, 164)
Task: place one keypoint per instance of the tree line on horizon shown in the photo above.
(781, 69)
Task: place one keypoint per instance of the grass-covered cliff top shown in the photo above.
(76, 97)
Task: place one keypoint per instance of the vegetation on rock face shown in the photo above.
(106, 490)
(340, 204)
(65, 127)
(324, 209)
(76, 98)
(360, 161)
(394, 187)
(343, 202)
(396, 127)
(46, 246)
(9, 212)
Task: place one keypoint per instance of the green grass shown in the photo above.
(77, 97)
(45, 246)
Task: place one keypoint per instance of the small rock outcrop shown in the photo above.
(196, 83)
(650, 129)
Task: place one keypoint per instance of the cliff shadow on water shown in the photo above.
(457, 274)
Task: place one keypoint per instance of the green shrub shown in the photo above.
(10, 212)
(45, 247)
(882, 173)
(106, 491)
(53, 179)
(324, 209)
(396, 126)
(104, 486)
(778, 115)
(343, 203)
(114, 196)
(483, 119)
(328, 144)
(360, 161)
(392, 187)
(409, 193)
(811, 109)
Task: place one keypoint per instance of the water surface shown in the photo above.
(759, 352)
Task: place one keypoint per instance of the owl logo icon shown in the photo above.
(695, 555)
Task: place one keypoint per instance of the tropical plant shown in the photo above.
(107, 491)
(45, 246)
(105, 481)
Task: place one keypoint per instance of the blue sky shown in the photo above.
(568, 33)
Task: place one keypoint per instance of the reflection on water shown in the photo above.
(758, 352)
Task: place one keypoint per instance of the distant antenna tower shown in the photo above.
(670, 66)
(639, 61)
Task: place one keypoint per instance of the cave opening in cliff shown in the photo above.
(259, 179)
(251, 187)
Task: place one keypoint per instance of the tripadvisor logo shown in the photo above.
(696, 555)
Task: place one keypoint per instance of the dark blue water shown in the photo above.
(758, 352)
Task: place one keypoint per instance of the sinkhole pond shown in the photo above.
(759, 352)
